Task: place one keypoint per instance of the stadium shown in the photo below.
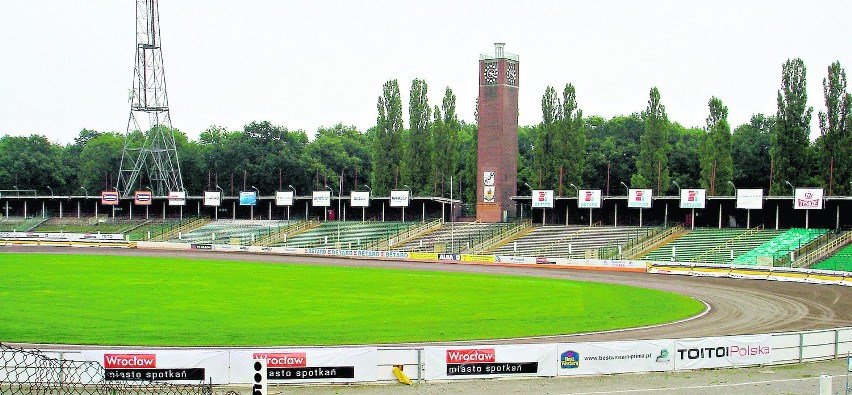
(152, 286)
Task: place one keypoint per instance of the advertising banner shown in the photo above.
(692, 198)
(466, 362)
(212, 199)
(542, 198)
(179, 366)
(177, 198)
(717, 352)
(589, 198)
(309, 365)
(639, 198)
(284, 198)
(616, 357)
(808, 199)
(109, 198)
(359, 199)
(399, 198)
(321, 199)
(750, 199)
(248, 198)
(142, 198)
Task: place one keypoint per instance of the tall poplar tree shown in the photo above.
(548, 141)
(387, 145)
(716, 163)
(445, 136)
(571, 152)
(836, 130)
(790, 137)
(652, 165)
(417, 162)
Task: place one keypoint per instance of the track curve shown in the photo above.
(735, 306)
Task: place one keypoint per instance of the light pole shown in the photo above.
(331, 194)
(51, 191)
(256, 196)
(17, 191)
(86, 191)
(410, 193)
(221, 197)
(364, 209)
(792, 188)
(626, 188)
(678, 187)
(627, 191)
(522, 205)
(291, 203)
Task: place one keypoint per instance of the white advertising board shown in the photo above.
(639, 198)
(321, 199)
(750, 199)
(616, 357)
(692, 198)
(309, 365)
(589, 198)
(177, 198)
(399, 199)
(470, 362)
(177, 366)
(542, 198)
(359, 199)
(284, 198)
(212, 199)
(717, 352)
(808, 199)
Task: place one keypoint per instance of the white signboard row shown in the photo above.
(692, 198)
(399, 199)
(639, 198)
(542, 198)
(589, 198)
(750, 199)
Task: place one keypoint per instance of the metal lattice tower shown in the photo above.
(149, 142)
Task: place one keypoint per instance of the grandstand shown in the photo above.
(226, 231)
(100, 224)
(841, 260)
(345, 234)
(451, 237)
(570, 241)
(710, 245)
(18, 224)
(779, 246)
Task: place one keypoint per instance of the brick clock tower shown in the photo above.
(497, 151)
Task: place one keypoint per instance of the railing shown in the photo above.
(727, 244)
(548, 249)
(498, 236)
(822, 250)
(404, 235)
(617, 251)
(182, 226)
(642, 246)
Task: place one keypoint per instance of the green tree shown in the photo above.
(684, 160)
(387, 144)
(548, 141)
(417, 162)
(341, 150)
(445, 136)
(612, 148)
(571, 150)
(652, 165)
(716, 163)
(836, 129)
(790, 137)
(750, 144)
(30, 162)
(100, 161)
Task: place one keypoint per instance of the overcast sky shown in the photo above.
(65, 66)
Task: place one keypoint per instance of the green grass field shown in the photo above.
(95, 299)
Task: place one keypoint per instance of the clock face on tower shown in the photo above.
(512, 74)
(490, 73)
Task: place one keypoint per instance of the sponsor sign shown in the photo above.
(248, 198)
(399, 198)
(488, 194)
(589, 198)
(490, 361)
(616, 357)
(750, 199)
(542, 198)
(321, 199)
(308, 365)
(692, 198)
(212, 199)
(808, 199)
(177, 198)
(109, 198)
(142, 198)
(284, 198)
(189, 366)
(639, 198)
(359, 199)
(449, 257)
(717, 352)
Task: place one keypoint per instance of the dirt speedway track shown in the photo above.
(735, 306)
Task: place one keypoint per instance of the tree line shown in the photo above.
(567, 150)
